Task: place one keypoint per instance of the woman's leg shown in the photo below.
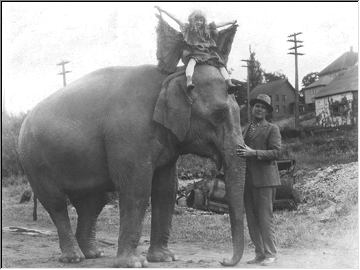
(226, 76)
(189, 73)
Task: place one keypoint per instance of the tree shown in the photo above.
(10, 163)
(255, 71)
(273, 76)
(310, 78)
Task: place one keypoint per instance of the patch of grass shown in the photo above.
(319, 150)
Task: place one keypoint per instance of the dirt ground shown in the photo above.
(42, 250)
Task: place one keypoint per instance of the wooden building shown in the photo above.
(336, 103)
(282, 95)
(344, 62)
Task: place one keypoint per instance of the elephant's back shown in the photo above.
(68, 127)
(82, 107)
(97, 90)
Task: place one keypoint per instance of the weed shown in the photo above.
(14, 180)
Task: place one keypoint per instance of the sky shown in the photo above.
(37, 36)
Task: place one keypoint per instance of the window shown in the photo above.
(277, 98)
(277, 108)
(284, 109)
(283, 98)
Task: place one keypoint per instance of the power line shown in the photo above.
(295, 52)
(63, 73)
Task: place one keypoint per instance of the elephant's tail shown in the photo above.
(35, 207)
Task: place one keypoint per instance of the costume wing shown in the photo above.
(169, 46)
(224, 41)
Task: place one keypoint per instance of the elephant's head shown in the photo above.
(206, 122)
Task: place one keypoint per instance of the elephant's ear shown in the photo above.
(173, 108)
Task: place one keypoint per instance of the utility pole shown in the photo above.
(248, 88)
(63, 73)
(249, 63)
(296, 53)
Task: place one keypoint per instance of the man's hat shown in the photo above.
(263, 99)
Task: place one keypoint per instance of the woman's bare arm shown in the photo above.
(170, 15)
(225, 23)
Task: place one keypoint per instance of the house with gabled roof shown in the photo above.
(282, 95)
(344, 62)
(336, 103)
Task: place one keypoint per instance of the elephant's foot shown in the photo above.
(231, 262)
(92, 252)
(133, 261)
(88, 248)
(72, 256)
(160, 254)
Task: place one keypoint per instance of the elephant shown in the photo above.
(122, 129)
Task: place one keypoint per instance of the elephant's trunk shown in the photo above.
(234, 169)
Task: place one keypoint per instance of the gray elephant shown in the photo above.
(118, 129)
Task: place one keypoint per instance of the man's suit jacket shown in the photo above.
(262, 169)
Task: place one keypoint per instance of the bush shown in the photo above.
(10, 164)
(322, 149)
(288, 132)
(192, 166)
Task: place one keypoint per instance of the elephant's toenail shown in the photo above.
(137, 265)
(145, 263)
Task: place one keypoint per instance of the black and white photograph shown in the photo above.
(179, 135)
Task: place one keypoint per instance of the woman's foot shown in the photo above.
(232, 88)
(189, 84)
(229, 83)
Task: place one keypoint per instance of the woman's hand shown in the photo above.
(245, 151)
(158, 8)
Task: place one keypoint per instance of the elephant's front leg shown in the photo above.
(162, 204)
(134, 196)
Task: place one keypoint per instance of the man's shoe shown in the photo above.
(268, 261)
(256, 260)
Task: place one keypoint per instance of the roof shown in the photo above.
(346, 81)
(345, 61)
(325, 80)
(270, 87)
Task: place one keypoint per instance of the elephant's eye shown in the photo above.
(219, 115)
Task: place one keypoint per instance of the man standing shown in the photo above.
(261, 149)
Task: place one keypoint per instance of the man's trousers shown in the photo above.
(259, 214)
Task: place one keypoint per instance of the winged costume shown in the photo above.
(210, 47)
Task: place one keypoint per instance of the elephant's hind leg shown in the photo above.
(162, 204)
(54, 201)
(88, 209)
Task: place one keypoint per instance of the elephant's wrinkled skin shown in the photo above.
(114, 130)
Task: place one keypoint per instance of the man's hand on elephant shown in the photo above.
(245, 151)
